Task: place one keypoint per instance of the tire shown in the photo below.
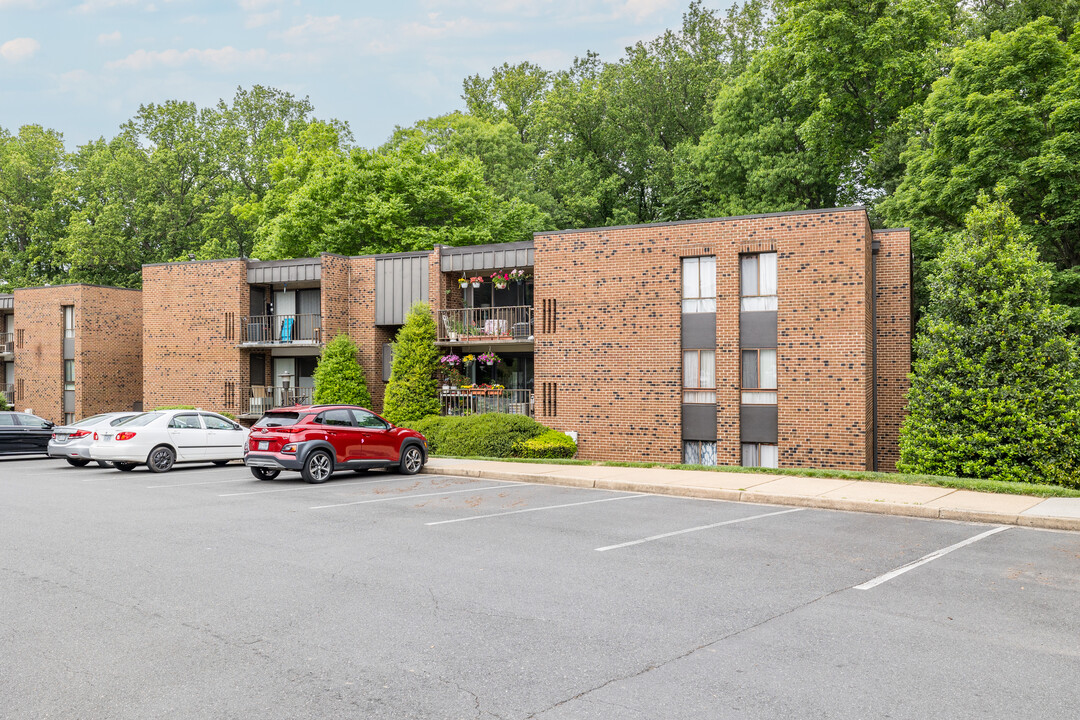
(124, 467)
(221, 463)
(77, 462)
(412, 460)
(318, 467)
(264, 473)
(160, 459)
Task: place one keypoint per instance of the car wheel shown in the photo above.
(124, 467)
(77, 462)
(412, 459)
(318, 467)
(160, 459)
(265, 473)
(221, 463)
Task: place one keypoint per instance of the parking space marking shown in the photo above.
(537, 509)
(695, 529)
(315, 486)
(409, 497)
(927, 558)
(204, 482)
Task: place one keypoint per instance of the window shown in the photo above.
(759, 282)
(759, 377)
(186, 422)
(69, 375)
(699, 284)
(69, 321)
(760, 455)
(213, 422)
(339, 418)
(699, 376)
(69, 418)
(365, 419)
(699, 452)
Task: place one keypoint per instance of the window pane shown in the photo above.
(69, 370)
(690, 278)
(751, 304)
(749, 455)
(749, 369)
(691, 453)
(703, 397)
(749, 275)
(708, 453)
(769, 455)
(708, 277)
(768, 369)
(767, 284)
(708, 368)
(759, 398)
(690, 368)
(699, 305)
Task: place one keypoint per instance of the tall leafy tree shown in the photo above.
(996, 385)
(412, 393)
(339, 379)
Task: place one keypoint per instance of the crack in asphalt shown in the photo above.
(688, 653)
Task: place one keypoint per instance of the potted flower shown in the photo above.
(463, 282)
(517, 276)
(489, 358)
(476, 281)
(468, 360)
(499, 280)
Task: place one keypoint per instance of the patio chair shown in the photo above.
(259, 400)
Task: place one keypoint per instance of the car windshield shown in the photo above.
(141, 420)
(92, 420)
(278, 419)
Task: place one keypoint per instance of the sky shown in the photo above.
(84, 68)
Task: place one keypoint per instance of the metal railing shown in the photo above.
(475, 401)
(9, 393)
(267, 397)
(281, 329)
(7, 342)
(490, 324)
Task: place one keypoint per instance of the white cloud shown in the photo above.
(225, 58)
(109, 38)
(4, 4)
(19, 49)
(257, 5)
(639, 9)
(93, 6)
(259, 19)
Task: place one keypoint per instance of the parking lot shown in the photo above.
(203, 592)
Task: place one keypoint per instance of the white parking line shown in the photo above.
(694, 529)
(537, 509)
(205, 482)
(328, 485)
(409, 497)
(927, 558)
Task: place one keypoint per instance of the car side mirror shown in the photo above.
(48, 424)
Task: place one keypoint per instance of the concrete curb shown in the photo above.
(882, 508)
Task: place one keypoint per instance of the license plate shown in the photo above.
(108, 436)
(62, 438)
(263, 445)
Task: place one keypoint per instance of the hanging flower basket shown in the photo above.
(463, 282)
(518, 276)
(500, 280)
(489, 358)
(476, 281)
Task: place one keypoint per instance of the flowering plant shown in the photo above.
(517, 275)
(489, 358)
(499, 279)
(468, 359)
(476, 280)
(463, 281)
(450, 360)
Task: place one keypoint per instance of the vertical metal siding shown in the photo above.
(399, 283)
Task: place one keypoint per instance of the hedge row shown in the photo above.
(493, 435)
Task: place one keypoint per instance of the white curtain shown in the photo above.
(767, 274)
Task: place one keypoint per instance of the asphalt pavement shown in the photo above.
(206, 593)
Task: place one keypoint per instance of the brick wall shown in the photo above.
(191, 329)
(107, 349)
(368, 337)
(894, 331)
(615, 354)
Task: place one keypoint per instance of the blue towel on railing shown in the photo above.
(286, 329)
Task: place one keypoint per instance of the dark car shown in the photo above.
(318, 440)
(22, 433)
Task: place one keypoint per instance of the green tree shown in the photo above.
(996, 385)
(412, 393)
(4, 403)
(339, 379)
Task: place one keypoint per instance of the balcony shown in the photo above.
(503, 326)
(9, 393)
(7, 345)
(267, 397)
(476, 401)
(280, 330)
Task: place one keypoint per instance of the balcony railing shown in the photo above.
(490, 324)
(281, 329)
(7, 343)
(267, 397)
(9, 393)
(478, 401)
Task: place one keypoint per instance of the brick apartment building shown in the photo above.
(779, 339)
(69, 351)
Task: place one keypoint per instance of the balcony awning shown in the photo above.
(488, 257)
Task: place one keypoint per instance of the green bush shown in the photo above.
(549, 444)
(4, 403)
(412, 392)
(488, 435)
(339, 379)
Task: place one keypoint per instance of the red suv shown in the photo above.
(319, 439)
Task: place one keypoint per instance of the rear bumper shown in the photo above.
(69, 451)
(115, 454)
(273, 461)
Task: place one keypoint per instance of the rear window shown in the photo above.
(120, 420)
(278, 419)
(92, 420)
(141, 420)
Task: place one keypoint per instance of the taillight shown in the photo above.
(79, 434)
(95, 435)
(290, 449)
(54, 436)
(125, 435)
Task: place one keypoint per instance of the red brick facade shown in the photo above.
(107, 349)
(895, 331)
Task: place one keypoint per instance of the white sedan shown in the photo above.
(162, 438)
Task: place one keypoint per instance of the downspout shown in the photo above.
(876, 246)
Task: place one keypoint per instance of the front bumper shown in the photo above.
(273, 461)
